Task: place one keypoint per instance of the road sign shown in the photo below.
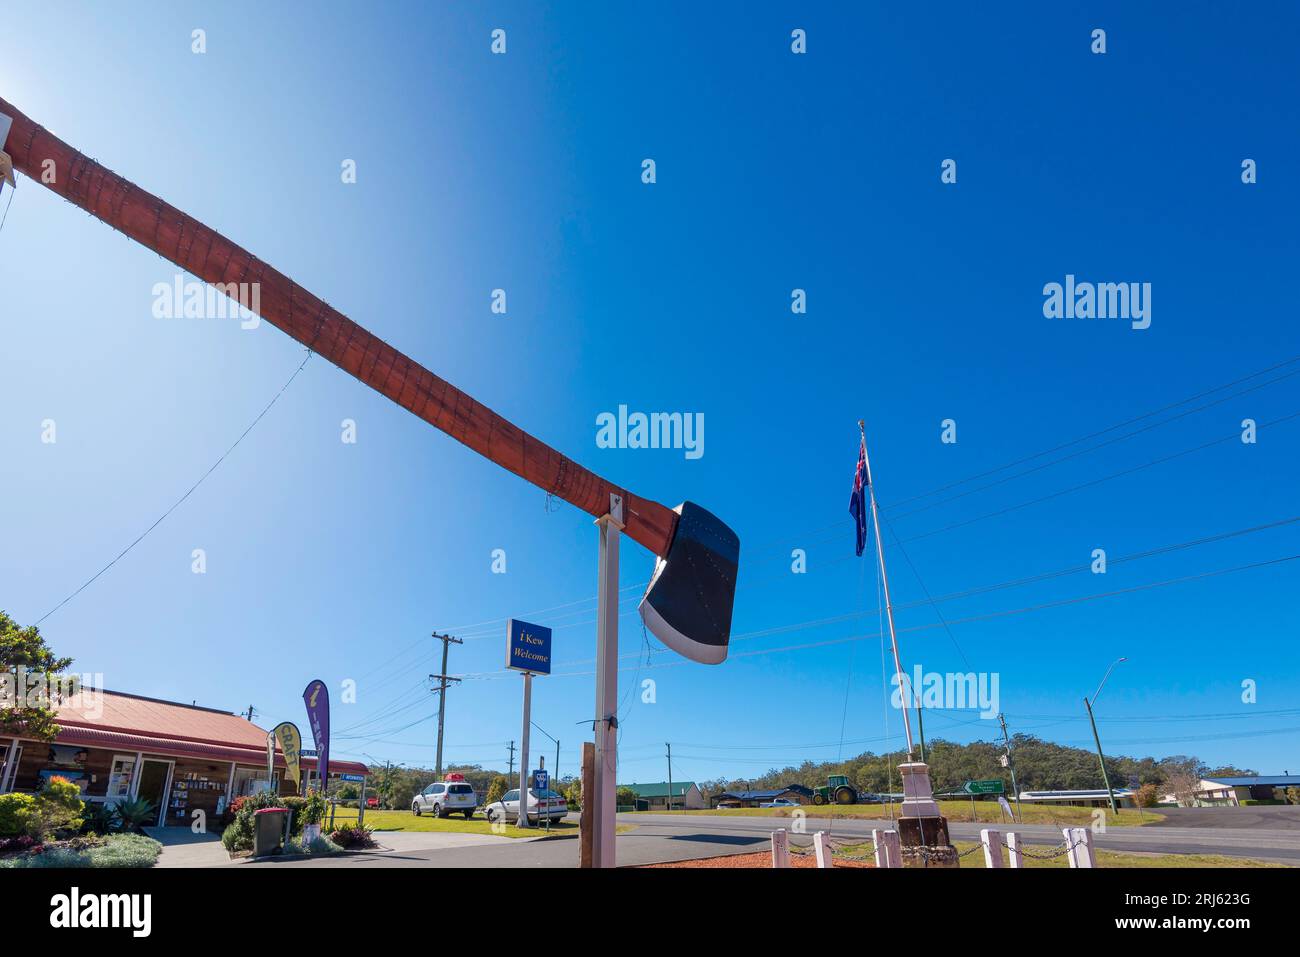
(528, 647)
(308, 752)
(541, 781)
(983, 787)
(352, 777)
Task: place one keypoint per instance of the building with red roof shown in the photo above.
(182, 757)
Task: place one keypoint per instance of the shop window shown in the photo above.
(119, 778)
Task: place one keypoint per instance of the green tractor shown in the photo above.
(836, 791)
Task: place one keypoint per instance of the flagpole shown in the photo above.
(889, 605)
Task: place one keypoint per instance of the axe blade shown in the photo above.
(688, 602)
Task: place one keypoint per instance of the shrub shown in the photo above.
(18, 815)
(313, 810)
(238, 836)
(125, 850)
(134, 813)
(323, 845)
(59, 805)
(351, 836)
(296, 805)
(119, 850)
(233, 839)
(18, 845)
(101, 818)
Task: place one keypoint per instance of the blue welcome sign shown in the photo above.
(528, 647)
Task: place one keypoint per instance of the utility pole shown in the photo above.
(251, 712)
(1114, 808)
(511, 771)
(1006, 742)
(670, 774)
(443, 678)
(1101, 757)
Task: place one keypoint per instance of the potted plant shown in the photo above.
(313, 812)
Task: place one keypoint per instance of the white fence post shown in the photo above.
(992, 841)
(893, 849)
(1087, 854)
(882, 852)
(1079, 840)
(1013, 849)
(823, 850)
(780, 848)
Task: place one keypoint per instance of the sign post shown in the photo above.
(604, 796)
(528, 649)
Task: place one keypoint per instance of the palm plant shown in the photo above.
(135, 812)
(101, 817)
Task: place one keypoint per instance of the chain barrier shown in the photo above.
(838, 852)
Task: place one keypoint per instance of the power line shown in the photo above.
(953, 596)
(1097, 481)
(175, 505)
(976, 618)
(1093, 435)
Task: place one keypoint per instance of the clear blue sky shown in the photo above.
(775, 172)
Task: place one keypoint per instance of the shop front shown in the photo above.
(188, 762)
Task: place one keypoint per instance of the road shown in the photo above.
(671, 837)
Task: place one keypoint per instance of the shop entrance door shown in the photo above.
(154, 778)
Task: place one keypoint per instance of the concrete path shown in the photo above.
(183, 848)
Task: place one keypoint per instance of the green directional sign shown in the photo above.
(983, 787)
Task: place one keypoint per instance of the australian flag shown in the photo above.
(858, 503)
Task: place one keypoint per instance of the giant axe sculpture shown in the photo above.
(688, 602)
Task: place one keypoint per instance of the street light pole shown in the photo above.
(1114, 808)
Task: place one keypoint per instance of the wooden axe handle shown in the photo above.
(207, 254)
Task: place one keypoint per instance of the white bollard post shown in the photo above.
(1013, 849)
(823, 850)
(1079, 840)
(1087, 854)
(780, 848)
(992, 841)
(893, 849)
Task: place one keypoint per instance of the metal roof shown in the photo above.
(659, 789)
(1257, 780)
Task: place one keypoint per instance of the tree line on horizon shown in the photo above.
(1040, 766)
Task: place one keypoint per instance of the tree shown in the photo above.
(1146, 796)
(1183, 784)
(496, 789)
(26, 660)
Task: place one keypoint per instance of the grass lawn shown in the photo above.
(985, 811)
(406, 821)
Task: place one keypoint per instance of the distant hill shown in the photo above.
(1040, 766)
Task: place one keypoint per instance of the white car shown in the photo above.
(551, 807)
(780, 802)
(446, 797)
